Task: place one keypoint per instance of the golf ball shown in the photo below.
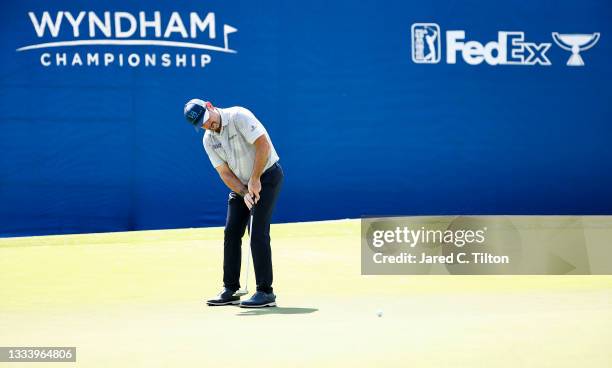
(379, 313)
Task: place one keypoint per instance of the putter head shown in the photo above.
(241, 292)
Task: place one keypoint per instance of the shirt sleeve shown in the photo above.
(214, 158)
(249, 126)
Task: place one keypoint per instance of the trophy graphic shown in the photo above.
(575, 43)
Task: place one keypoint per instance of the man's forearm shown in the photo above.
(262, 152)
(231, 180)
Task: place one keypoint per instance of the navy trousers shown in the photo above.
(237, 220)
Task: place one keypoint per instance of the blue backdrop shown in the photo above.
(362, 126)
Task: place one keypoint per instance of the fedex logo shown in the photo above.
(509, 49)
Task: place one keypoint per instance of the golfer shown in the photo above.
(241, 151)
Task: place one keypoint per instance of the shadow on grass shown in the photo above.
(275, 310)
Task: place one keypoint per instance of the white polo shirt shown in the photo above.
(234, 143)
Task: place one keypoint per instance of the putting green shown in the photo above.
(135, 299)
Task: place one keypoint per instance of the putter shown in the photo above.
(245, 290)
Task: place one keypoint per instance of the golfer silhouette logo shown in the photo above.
(426, 43)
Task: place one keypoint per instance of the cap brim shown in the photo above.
(198, 124)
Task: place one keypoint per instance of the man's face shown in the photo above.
(214, 121)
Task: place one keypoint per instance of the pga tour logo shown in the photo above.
(510, 48)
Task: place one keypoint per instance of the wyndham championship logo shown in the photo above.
(123, 39)
(510, 48)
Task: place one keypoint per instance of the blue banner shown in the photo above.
(392, 108)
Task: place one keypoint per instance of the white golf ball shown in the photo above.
(379, 313)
